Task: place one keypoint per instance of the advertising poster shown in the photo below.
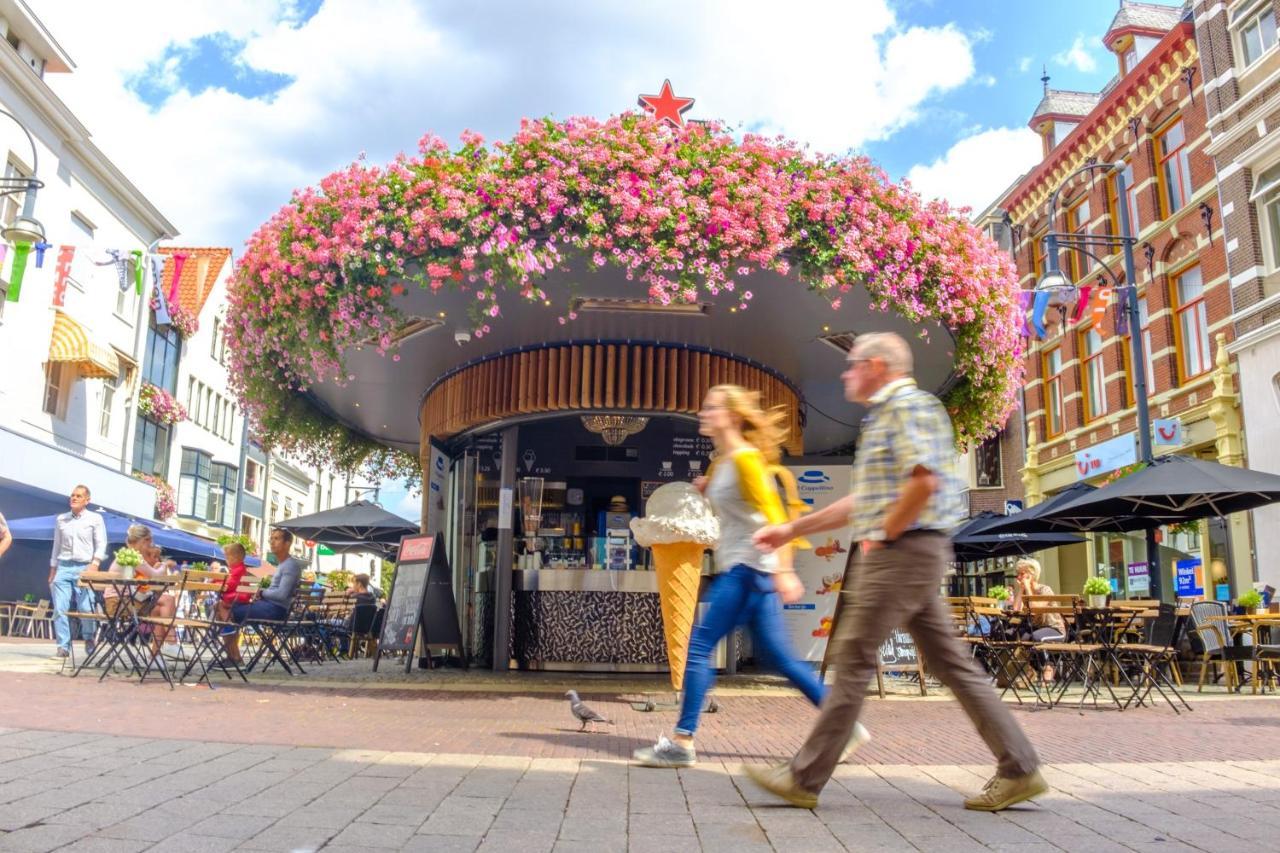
(822, 567)
(1188, 577)
(1139, 579)
(437, 478)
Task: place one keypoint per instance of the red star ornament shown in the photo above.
(666, 106)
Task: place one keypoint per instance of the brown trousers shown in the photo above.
(897, 586)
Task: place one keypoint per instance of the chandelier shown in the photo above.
(614, 429)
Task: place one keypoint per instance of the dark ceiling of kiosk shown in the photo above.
(781, 330)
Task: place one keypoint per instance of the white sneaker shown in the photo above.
(859, 737)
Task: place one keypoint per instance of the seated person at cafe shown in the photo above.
(272, 603)
(359, 587)
(149, 602)
(1044, 627)
(236, 570)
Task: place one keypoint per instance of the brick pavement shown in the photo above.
(459, 764)
(87, 792)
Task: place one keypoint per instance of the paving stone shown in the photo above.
(442, 844)
(40, 838)
(373, 835)
(96, 844)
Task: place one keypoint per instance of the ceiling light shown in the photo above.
(614, 429)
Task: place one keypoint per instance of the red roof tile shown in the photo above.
(200, 273)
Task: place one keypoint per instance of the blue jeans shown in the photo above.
(260, 609)
(65, 587)
(741, 596)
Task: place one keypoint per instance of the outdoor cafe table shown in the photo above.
(115, 642)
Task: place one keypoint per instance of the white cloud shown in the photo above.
(1024, 64)
(375, 75)
(979, 167)
(1077, 56)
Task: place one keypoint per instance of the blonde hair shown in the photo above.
(1032, 564)
(762, 428)
(136, 534)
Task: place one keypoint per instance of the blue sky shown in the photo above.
(219, 109)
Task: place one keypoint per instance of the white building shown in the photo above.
(71, 344)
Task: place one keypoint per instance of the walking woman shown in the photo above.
(741, 487)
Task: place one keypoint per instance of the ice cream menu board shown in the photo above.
(822, 567)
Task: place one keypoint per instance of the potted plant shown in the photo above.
(1096, 589)
(1000, 593)
(29, 598)
(1251, 601)
(127, 559)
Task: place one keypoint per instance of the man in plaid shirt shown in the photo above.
(905, 499)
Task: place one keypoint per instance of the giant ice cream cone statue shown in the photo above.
(678, 525)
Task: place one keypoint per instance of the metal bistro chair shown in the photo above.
(1153, 659)
(38, 619)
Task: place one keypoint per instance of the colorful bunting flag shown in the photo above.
(137, 270)
(1037, 311)
(178, 260)
(161, 309)
(66, 255)
(1024, 305)
(1082, 302)
(20, 252)
(40, 248)
(1101, 299)
(1122, 312)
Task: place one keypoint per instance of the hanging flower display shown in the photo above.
(684, 212)
(159, 405)
(186, 323)
(166, 501)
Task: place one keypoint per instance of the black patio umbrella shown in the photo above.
(1020, 522)
(1172, 489)
(348, 526)
(974, 541)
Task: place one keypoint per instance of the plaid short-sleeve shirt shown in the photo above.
(905, 428)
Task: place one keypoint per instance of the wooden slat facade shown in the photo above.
(593, 378)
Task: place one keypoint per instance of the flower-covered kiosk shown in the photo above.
(534, 323)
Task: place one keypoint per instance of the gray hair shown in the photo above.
(1032, 565)
(889, 347)
(137, 533)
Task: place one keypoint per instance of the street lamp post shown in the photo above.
(25, 227)
(1053, 279)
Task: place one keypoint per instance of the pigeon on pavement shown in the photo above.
(583, 713)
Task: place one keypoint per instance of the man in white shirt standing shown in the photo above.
(79, 543)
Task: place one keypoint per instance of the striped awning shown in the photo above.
(71, 343)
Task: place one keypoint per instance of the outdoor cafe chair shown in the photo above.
(1154, 658)
(362, 619)
(38, 619)
(1265, 658)
(274, 634)
(207, 650)
(1000, 647)
(1210, 628)
(6, 617)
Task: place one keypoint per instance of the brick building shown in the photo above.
(1079, 396)
(1240, 64)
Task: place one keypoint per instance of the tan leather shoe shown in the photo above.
(777, 780)
(1000, 793)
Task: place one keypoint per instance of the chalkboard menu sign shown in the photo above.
(421, 601)
(898, 654)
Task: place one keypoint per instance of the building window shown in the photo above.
(56, 381)
(1144, 320)
(1037, 256)
(1131, 197)
(1266, 193)
(1258, 35)
(1095, 375)
(251, 527)
(1078, 217)
(1129, 59)
(11, 205)
(109, 387)
(82, 224)
(252, 477)
(207, 489)
(1175, 167)
(1192, 323)
(1052, 372)
(161, 365)
(151, 448)
(217, 330)
(987, 473)
(275, 506)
